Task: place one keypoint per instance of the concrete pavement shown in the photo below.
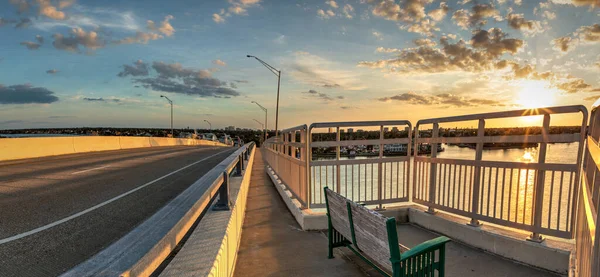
(273, 243)
(41, 192)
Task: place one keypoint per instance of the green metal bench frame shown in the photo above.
(418, 261)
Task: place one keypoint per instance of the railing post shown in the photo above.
(308, 160)
(304, 178)
(240, 166)
(433, 167)
(223, 202)
(477, 173)
(538, 193)
(379, 168)
(338, 182)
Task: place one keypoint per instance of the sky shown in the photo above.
(73, 63)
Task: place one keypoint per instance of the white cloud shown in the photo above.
(332, 3)
(348, 11)
(218, 18)
(325, 14)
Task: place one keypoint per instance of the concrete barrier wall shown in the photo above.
(24, 148)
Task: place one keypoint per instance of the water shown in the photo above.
(506, 193)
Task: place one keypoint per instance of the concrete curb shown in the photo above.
(25, 148)
(141, 251)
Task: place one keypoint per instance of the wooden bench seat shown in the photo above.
(374, 238)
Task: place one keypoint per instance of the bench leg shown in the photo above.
(330, 236)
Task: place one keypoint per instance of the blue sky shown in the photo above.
(102, 63)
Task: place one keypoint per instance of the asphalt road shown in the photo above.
(56, 212)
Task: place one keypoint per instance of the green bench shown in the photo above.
(374, 238)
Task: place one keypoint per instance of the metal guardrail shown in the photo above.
(536, 196)
(141, 251)
(370, 181)
(586, 228)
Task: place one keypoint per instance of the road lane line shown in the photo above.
(83, 171)
(55, 223)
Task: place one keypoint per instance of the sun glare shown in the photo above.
(536, 94)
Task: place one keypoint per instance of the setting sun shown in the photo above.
(536, 94)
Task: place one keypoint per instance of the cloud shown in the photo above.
(480, 12)
(589, 33)
(348, 11)
(241, 81)
(592, 98)
(23, 23)
(26, 94)
(592, 3)
(4, 21)
(410, 11)
(574, 85)
(139, 68)
(40, 39)
(322, 96)
(175, 78)
(482, 53)
(413, 98)
(61, 116)
(423, 27)
(218, 18)
(377, 35)
(518, 22)
(219, 62)
(477, 17)
(563, 43)
(140, 37)
(549, 15)
(47, 9)
(439, 14)
(332, 3)
(317, 71)
(31, 45)
(65, 3)
(583, 35)
(348, 107)
(237, 7)
(424, 42)
(165, 26)
(78, 37)
(325, 14)
(461, 18)
(88, 99)
(52, 71)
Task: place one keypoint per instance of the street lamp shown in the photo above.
(278, 73)
(210, 125)
(265, 110)
(170, 102)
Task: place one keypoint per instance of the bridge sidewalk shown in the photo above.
(273, 243)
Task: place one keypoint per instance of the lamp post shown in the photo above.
(209, 125)
(170, 102)
(265, 125)
(278, 74)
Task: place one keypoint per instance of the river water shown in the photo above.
(505, 194)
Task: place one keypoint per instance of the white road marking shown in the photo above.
(83, 171)
(55, 223)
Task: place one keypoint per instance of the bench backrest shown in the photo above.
(338, 212)
(370, 234)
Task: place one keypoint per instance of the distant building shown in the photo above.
(230, 128)
(360, 130)
(395, 129)
(387, 129)
(350, 130)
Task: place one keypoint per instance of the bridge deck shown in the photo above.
(274, 245)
